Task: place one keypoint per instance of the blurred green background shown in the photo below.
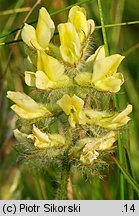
(18, 181)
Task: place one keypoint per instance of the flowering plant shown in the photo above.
(64, 121)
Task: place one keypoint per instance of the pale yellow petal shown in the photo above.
(70, 43)
(119, 76)
(84, 28)
(46, 140)
(43, 82)
(117, 120)
(78, 18)
(65, 103)
(41, 139)
(89, 157)
(91, 26)
(102, 143)
(41, 60)
(107, 141)
(99, 54)
(41, 136)
(108, 120)
(21, 137)
(51, 66)
(82, 118)
(110, 84)
(77, 103)
(72, 121)
(28, 35)
(45, 28)
(41, 145)
(26, 107)
(106, 66)
(113, 125)
(30, 78)
(73, 106)
(22, 113)
(54, 68)
(68, 34)
(23, 100)
(74, 10)
(50, 72)
(121, 116)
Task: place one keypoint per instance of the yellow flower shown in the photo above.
(103, 76)
(72, 106)
(73, 34)
(49, 75)
(108, 120)
(46, 140)
(26, 107)
(41, 36)
(70, 44)
(93, 146)
(89, 157)
(119, 119)
(84, 27)
(20, 137)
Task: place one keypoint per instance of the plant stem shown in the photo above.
(130, 180)
(51, 14)
(120, 154)
(118, 24)
(13, 11)
(120, 147)
(121, 159)
(69, 7)
(131, 49)
(64, 175)
(96, 27)
(103, 28)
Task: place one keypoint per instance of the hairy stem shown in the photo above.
(63, 181)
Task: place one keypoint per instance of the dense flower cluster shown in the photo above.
(69, 81)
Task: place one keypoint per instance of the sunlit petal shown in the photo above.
(30, 78)
(106, 66)
(43, 82)
(77, 16)
(45, 28)
(110, 84)
(46, 140)
(25, 106)
(70, 43)
(28, 35)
